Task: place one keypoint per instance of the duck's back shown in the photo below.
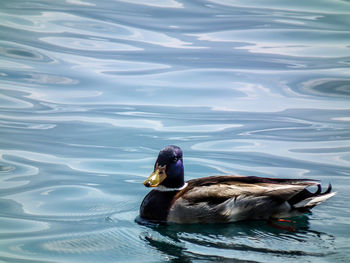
(236, 198)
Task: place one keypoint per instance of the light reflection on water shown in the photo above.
(90, 91)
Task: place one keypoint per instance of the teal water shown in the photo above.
(92, 90)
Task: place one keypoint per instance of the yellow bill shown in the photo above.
(156, 178)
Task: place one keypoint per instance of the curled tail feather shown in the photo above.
(305, 200)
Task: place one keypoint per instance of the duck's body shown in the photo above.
(220, 199)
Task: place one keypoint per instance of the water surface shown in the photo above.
(92, 90)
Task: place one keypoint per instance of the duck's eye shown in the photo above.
(162, 169)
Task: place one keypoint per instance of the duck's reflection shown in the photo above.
(233, 242)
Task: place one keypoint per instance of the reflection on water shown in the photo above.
(244, 242)
(91, 90)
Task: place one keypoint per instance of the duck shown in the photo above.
(223, 198)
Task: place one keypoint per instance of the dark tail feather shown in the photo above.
(319, 189)
(305, 200)
(329, 189)
(304, 194)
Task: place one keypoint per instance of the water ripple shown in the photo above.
(241, 242)
(90, 91)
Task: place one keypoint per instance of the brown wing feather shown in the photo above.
(228, 179)
(220, 188)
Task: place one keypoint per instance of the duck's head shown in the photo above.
(168, 169)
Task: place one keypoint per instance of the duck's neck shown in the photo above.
(163, 188)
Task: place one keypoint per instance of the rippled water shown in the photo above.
(92, 90)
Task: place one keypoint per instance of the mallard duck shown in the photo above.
(220, 199)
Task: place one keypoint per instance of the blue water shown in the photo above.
(92, 90)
